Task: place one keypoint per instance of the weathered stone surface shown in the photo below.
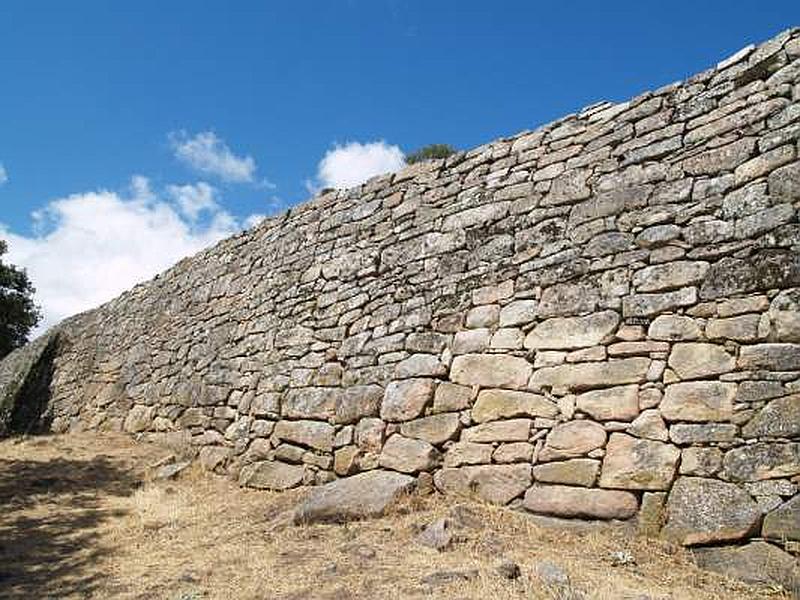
(309, 403)
(762, 461)
(585, 376)
(470, 453)
(435, 429)
(491, 370)
(674, 328)
(577, 471)
(513, 452)
(779, 418)
(313, 434)
(693, 360)
(784, 316)
(637, 464)
(702, 433)
(783, 523)
(701, 462)
(763, 270)
(356, 402)
(670, 276)
(405, 400)
(611, 404)
(566, 501)
(698, 401)
(770, 357)
(649, 425)
(498, 484)
(408, 455)
(573, 439)
(757, 563)
(492, 405)
(563, 333)
(450, 397)
(138, 419)
(648, 305)
(420, 365)
(703, 511)
(271, 475)
(519, 312)
(511, 430)
(358, 497)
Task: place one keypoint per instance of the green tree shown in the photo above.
(429, 152)
(18, 313)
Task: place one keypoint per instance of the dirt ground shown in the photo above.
(81, 517)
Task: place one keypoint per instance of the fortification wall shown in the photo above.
(596, 319)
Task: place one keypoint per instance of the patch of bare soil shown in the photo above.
(80, 517)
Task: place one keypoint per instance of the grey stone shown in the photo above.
(779, 418)
(703, 511)
(492, 405)
(649, 425)
(648, 305)
(435, 429)
(573, 439)
(637, 464)
(670, 276)
(701, 462)
(702, 433)
(406, 400)
(784, 316)
(674, 328)
(497, 484)
(694, 360)
(408, 455)
(572, 502)
(585, 376)
(762, 461)
(469, 453)
(770, 357)
(313, 434)
(577, 471)
(358, 497)
(698, 401)
(563, 333)
(510, 430)
(271, 475)
(611, 404)
(757, 563)
(491, 370)
(783, 523)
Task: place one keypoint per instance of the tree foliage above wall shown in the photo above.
(18, 313)
(429, 152)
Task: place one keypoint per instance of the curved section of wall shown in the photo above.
(597, 319)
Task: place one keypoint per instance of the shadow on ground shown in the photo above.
(50, 512)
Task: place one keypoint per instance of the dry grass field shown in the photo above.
(80, 517)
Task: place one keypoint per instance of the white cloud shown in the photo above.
(194, 199)
(88, 248)
(3, 174)
(207, 153)
(353, 163)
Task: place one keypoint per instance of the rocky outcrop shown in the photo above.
(588, 320)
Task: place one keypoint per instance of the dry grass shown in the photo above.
(80, 519)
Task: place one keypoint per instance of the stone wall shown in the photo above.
(597, 319)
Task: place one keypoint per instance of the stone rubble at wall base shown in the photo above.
(596, 319)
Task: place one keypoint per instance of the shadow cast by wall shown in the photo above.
(50, 515)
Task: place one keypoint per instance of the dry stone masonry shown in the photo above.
(599, 319)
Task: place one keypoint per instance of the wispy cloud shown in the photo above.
(3, 174)
(194, 199)
(206, 153)
(89, 247)
(350, 164)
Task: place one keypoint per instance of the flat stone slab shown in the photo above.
(756, 563)
(359, 497)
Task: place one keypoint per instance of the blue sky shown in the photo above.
(112, 111)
